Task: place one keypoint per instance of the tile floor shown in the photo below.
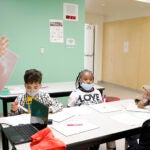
(122, 93)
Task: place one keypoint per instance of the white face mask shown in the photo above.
(87, 87)
(32, 93)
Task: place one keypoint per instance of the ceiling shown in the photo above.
(117, 9)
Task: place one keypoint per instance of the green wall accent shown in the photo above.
(26, 24)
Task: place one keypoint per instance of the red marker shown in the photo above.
(16, 103)
(70, 124)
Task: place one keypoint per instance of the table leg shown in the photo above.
(5, 111)
(5, 145)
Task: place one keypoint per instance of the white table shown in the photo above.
(57, 89)
(111, 125)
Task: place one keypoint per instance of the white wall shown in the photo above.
(98, 22)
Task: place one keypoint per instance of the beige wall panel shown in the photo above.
(125, 68)
(144, 68)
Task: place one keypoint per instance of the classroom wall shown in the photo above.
(131, 68)
(26, 24)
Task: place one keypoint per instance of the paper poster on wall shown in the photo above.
(70, 42)
(125, 46)
(70, 12)
(56, 31)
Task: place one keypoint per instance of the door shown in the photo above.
(89, 47)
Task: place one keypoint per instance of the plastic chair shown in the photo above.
(112, 98)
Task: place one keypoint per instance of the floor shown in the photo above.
(122, 93)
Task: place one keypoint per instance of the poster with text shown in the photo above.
(70, 12)
(56, 31)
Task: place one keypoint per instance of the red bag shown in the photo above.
(45, 140)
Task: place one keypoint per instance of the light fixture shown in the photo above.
(144, 1)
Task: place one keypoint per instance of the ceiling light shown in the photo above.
(144, 1)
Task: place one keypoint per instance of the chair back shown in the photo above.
(144, 140)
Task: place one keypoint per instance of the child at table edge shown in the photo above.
(141, 102)
(145, 99)
(32, 83)
(86, 94)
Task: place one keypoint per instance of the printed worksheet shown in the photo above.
(104, 107)
(74, 127)
(127, 118)
(16, 120)
(60, 116)
(134, 107)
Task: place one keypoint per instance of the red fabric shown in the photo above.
(45, 140)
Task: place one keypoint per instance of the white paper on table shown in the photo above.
(142, 116)
(70, 130)
(79, 110)
(7, 64)
(15, 120)
(134, 107)
(103, 107)
(60, 116)
(24, 146)
(127, 118)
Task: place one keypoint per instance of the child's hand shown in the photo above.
(14, 106)
(140, 104)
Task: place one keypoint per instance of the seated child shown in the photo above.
(33, 79)
(84, 86)
(86, 94)
(145, 99)
(141, 102)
